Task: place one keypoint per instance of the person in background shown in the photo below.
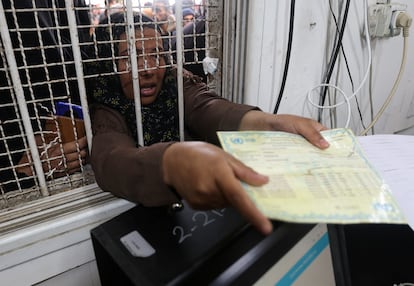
(188, 4)
(188, 16)
(194, 51)
(164, 17)
(147, 9)
(114, 6)
(199, 8)
(96, 12)
(165, 170)
(39, 84)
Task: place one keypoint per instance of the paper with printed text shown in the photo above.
(309, 185)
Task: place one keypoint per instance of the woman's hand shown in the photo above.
(53, 162)
(207, 177)
(308, 128)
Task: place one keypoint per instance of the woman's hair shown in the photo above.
(112, 27)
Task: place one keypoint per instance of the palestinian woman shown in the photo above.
(165, 170)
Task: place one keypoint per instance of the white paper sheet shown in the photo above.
(393, 157)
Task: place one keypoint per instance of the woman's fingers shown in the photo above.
(207, 177)
(75, 154)
(237, 197)
(72, 147)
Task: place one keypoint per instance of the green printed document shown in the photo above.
(309, 185)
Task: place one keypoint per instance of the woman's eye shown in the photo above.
(123, 64)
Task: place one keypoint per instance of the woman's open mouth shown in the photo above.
(147, 91)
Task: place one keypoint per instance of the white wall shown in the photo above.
(58, 251)
(313, 32)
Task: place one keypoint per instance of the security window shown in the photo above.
(44, 51)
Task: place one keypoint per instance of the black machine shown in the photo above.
(154, 246)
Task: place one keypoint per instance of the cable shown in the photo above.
(333, 58)
(370, 98)
(404, 21)
(347, 67)
(393, 90)
(288, 52)
(332, 113)
(346, 98)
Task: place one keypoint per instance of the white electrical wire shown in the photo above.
(346, 98)
(393, 90)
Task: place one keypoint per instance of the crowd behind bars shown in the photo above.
(42, 48)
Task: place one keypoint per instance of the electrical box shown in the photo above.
(382, 19)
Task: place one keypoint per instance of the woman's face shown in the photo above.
(149, 46)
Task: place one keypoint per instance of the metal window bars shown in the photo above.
(42, 59)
